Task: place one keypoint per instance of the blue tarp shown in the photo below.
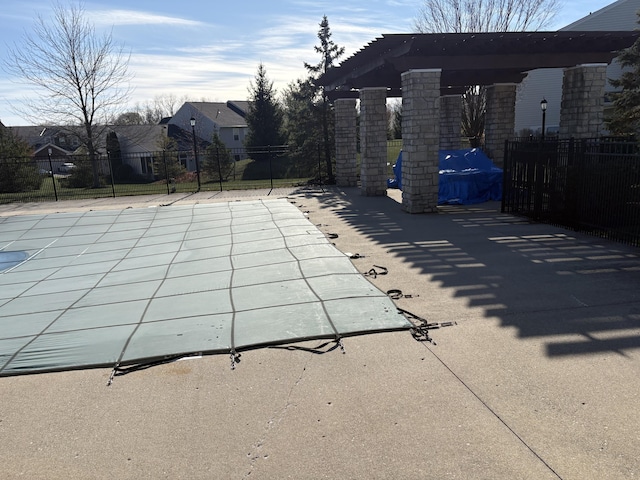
(466, 177)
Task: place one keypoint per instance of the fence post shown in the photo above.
(113, 186)
(219, 169)
(319, 163)
(166, 170)
(53, 178)
(571, 193)
(538, 181)
(506, 179)
(270, 166)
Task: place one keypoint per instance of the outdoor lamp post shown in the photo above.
(195, 149)
(543, 107)
(53, 177)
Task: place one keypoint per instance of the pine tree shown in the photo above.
(396, 122)
(265, 116)
(330, 52)
(625, 118)
(303, 123)
(218, 161)
(17, 172)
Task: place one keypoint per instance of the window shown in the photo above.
(236, 134)
(146, 165)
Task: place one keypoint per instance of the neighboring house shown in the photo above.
(39, 136)
(51, 145)
(139, 146)
(51, 158)
(547, 83)
(227, 120)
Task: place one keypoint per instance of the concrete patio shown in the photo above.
(537, 378)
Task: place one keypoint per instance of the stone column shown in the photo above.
(450, 121)
(500, 120)
(373, 141)
(346, 142)
(420, 140)
(581, 110)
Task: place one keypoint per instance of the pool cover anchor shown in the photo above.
(235, 359)
(421, 326)
(113, 374)
(374, 273)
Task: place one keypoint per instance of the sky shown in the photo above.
(208, 50)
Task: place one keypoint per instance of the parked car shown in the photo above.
(66, 167)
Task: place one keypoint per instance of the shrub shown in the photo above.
(19, 175)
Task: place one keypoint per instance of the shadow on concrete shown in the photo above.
(580, 294)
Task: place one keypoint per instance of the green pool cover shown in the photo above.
(116, 288)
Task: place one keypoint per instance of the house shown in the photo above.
(52, 145)
(64, 139)
(137, 146)
(140, 146)
(547, 83)
(226, 119)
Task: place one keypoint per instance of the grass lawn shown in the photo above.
(260, 171)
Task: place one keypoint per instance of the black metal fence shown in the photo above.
(590, 185)
(49, 178)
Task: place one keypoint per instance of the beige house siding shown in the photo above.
(547, 83)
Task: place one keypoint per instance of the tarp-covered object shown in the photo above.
(107, 288)
(465, 177)
(468, 176)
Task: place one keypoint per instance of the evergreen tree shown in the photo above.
(218, 160)
(625, 118)
(17, 172)
(265, 116)
(303, 123)
(396, 122)
(169, 166)
(11, 145)
(329, 52)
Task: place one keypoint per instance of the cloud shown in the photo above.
(134, 17)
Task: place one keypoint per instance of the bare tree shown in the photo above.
(473, 16)
(164, 105)
(81, 77)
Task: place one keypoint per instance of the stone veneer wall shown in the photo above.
(373, 141)
(581, 111)
(450, 122)
(420, 140)
(346, 142)
(500, 120)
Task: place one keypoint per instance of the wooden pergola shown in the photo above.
(468, 59)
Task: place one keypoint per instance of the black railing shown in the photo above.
(47, 178)
(590, 185)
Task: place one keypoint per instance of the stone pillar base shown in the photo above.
(420, 140)
(373, 141)
(500, 120)
(346, 142)
(581, 111)
(450, 122)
